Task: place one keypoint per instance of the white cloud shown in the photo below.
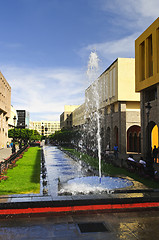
(44, 92)
(111, 50)
(130, 17)
(137, 13)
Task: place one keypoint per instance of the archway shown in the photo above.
(154, 136)
(134, 139)
(151, 136)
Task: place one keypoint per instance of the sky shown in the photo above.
(45, 47)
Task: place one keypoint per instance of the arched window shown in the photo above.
(133, 139)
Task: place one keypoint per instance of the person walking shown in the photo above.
(116, 151)
(154, 154)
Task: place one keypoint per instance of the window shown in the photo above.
(149, 57)
(110, 89)
(142, 61)
(106, 86)
(114, 82)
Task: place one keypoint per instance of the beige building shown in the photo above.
(147, 83)
(5, 108)
(66, 116)
(118, 105)
(13, 113)
(45, 128)
(78, 116)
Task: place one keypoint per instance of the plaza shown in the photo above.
(128, 118)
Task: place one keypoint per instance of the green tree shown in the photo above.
(66, 137)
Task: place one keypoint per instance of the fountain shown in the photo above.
(92, 105)
(93, 184)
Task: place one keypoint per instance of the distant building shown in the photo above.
(23, 119)
(5, 109)
(45, 128)
(66, 116)
(78, 116)
(13, 113)
(147, 83)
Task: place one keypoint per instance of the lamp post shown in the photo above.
(20, 144)
(13, 148)
(46, 129)
(42, 129)
(148, 109)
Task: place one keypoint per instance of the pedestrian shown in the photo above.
(154, 154)
(11, 144)
(13, 148)
(116, 151)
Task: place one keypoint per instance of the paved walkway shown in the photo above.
(120, 226)
(5, 153)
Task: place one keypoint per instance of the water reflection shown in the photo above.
(60, 168)
(67, 176)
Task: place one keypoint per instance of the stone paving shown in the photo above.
(5, 153)
(120, 226)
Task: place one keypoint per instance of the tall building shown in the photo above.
(5, 108)
(147, 83)
(45, 128)
(23, 118)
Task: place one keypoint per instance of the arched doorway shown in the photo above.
(134, 139)
(151, 136)
(154, 136)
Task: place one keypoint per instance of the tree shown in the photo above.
(65, 137)
(24, 134)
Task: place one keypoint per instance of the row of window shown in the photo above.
(146, 56)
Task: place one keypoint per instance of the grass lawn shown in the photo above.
(24, 178)
(109, 169)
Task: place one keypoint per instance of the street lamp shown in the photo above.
(20, 144)
(13, 148)
(148, 109)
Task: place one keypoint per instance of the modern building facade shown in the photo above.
(147, 83)
(66, 116)
(5, 109)
(23, 119)
(45, 128)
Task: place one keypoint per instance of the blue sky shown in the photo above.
(45, 47)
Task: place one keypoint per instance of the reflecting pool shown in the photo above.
(66, 176)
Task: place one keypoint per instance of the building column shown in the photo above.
(122, 127)
(143, 124)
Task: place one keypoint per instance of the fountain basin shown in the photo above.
(93, 185)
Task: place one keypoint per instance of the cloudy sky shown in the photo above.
(45, 46)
